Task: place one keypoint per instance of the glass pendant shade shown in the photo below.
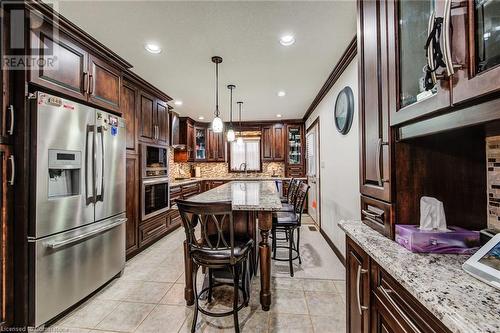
(217, 125)
(231, 136)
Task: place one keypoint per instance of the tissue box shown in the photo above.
(457, 240)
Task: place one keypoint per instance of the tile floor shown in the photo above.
(149, 297)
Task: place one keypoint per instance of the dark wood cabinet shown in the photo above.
(104, 84)
(190, 141)
(147, 117)
(377, 303)
(69, 71)
(162, 123)
(7, 111)
(132, 203)
(374, 101)
(216, 146)
(128, 107)
(273, 142)
(294, 152)
(73, 70)
(358, 288)
(379, 215)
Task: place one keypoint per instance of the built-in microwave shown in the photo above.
(155, 196)
(154, 161)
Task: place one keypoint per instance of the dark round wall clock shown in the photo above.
(344, 110)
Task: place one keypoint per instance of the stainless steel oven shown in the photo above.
(154, 161)
(155, 196)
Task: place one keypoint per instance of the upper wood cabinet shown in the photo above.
(7, 117)
(273, 142)
(147, 118)
(375, 100)
(474, 49)
(132, 203)
(358, 288)
(294, 143)
(104, 84)
(216, 146)
(162, 122)
(128, 107)
(73, 70)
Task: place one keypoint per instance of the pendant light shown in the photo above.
(230, 132)
(240, 138)
(217, 124)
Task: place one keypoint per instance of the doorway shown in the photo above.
(313, 171)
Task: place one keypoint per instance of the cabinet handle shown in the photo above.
(361, 308)
(11, 127)
(380, 179)
(13, 169)
(372, 214)
(91, 84)
(85, 83)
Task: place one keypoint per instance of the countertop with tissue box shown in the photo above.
(461, 302)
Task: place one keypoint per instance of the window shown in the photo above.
(248, 152)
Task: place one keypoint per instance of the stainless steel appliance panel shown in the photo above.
(62, 131)
(71, 265)
(110, 165)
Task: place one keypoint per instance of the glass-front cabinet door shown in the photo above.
(294, 143)
(476, 49)
(422, 89)
(200, 144)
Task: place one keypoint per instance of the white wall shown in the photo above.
(339, 161)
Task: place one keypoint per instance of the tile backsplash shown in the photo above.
(493, 179)
(212, 170)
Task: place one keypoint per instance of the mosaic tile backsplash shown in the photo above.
(214, 170)
(493, 158)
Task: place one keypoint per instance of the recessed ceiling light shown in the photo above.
(287, 40)
(178, 103)
(279, 116)
(281, 93)
(201, 118)
(152, 48)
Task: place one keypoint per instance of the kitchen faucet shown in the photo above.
(244, 165)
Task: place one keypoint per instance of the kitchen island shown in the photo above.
(253, 203)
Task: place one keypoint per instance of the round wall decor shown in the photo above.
(344, 110)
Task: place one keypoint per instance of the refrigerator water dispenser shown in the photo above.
(64, 173)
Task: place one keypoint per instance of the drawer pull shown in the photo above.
(387, 295)
(361, 308)
(372, 215)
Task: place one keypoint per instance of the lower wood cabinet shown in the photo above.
(377, 303)
(152, 229)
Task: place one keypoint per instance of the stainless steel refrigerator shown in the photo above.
(77, 223)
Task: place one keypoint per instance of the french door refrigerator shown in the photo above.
(77, 221)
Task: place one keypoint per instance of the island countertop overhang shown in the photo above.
(244, 195)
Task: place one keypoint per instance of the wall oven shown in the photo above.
(155, 196)
(154, 161)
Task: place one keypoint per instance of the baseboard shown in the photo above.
(333, 247)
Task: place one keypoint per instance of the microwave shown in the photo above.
(154, 161)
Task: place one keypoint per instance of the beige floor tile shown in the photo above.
(126, 317)
(340, 285)
(289, 301)
(118, 290)
(175, 295)
(148, 292)
(61, 329)
(319, 285)
(281, 323)
(166, 273)
(164, 319)
(284, 283)
(90, 314)
(330, 324)
(320, 303)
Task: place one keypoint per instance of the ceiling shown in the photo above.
(245, 34)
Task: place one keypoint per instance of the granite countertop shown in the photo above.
(244, 195)
(463, 303)
(241, 178)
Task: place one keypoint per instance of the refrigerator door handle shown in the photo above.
(78, 238)
(89, 199)
(100, 197)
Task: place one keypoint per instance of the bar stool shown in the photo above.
(288, 204)
(218, 248)
(288, 222)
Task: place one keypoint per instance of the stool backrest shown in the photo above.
(292, 190)
(215, 220)
(301, 195)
